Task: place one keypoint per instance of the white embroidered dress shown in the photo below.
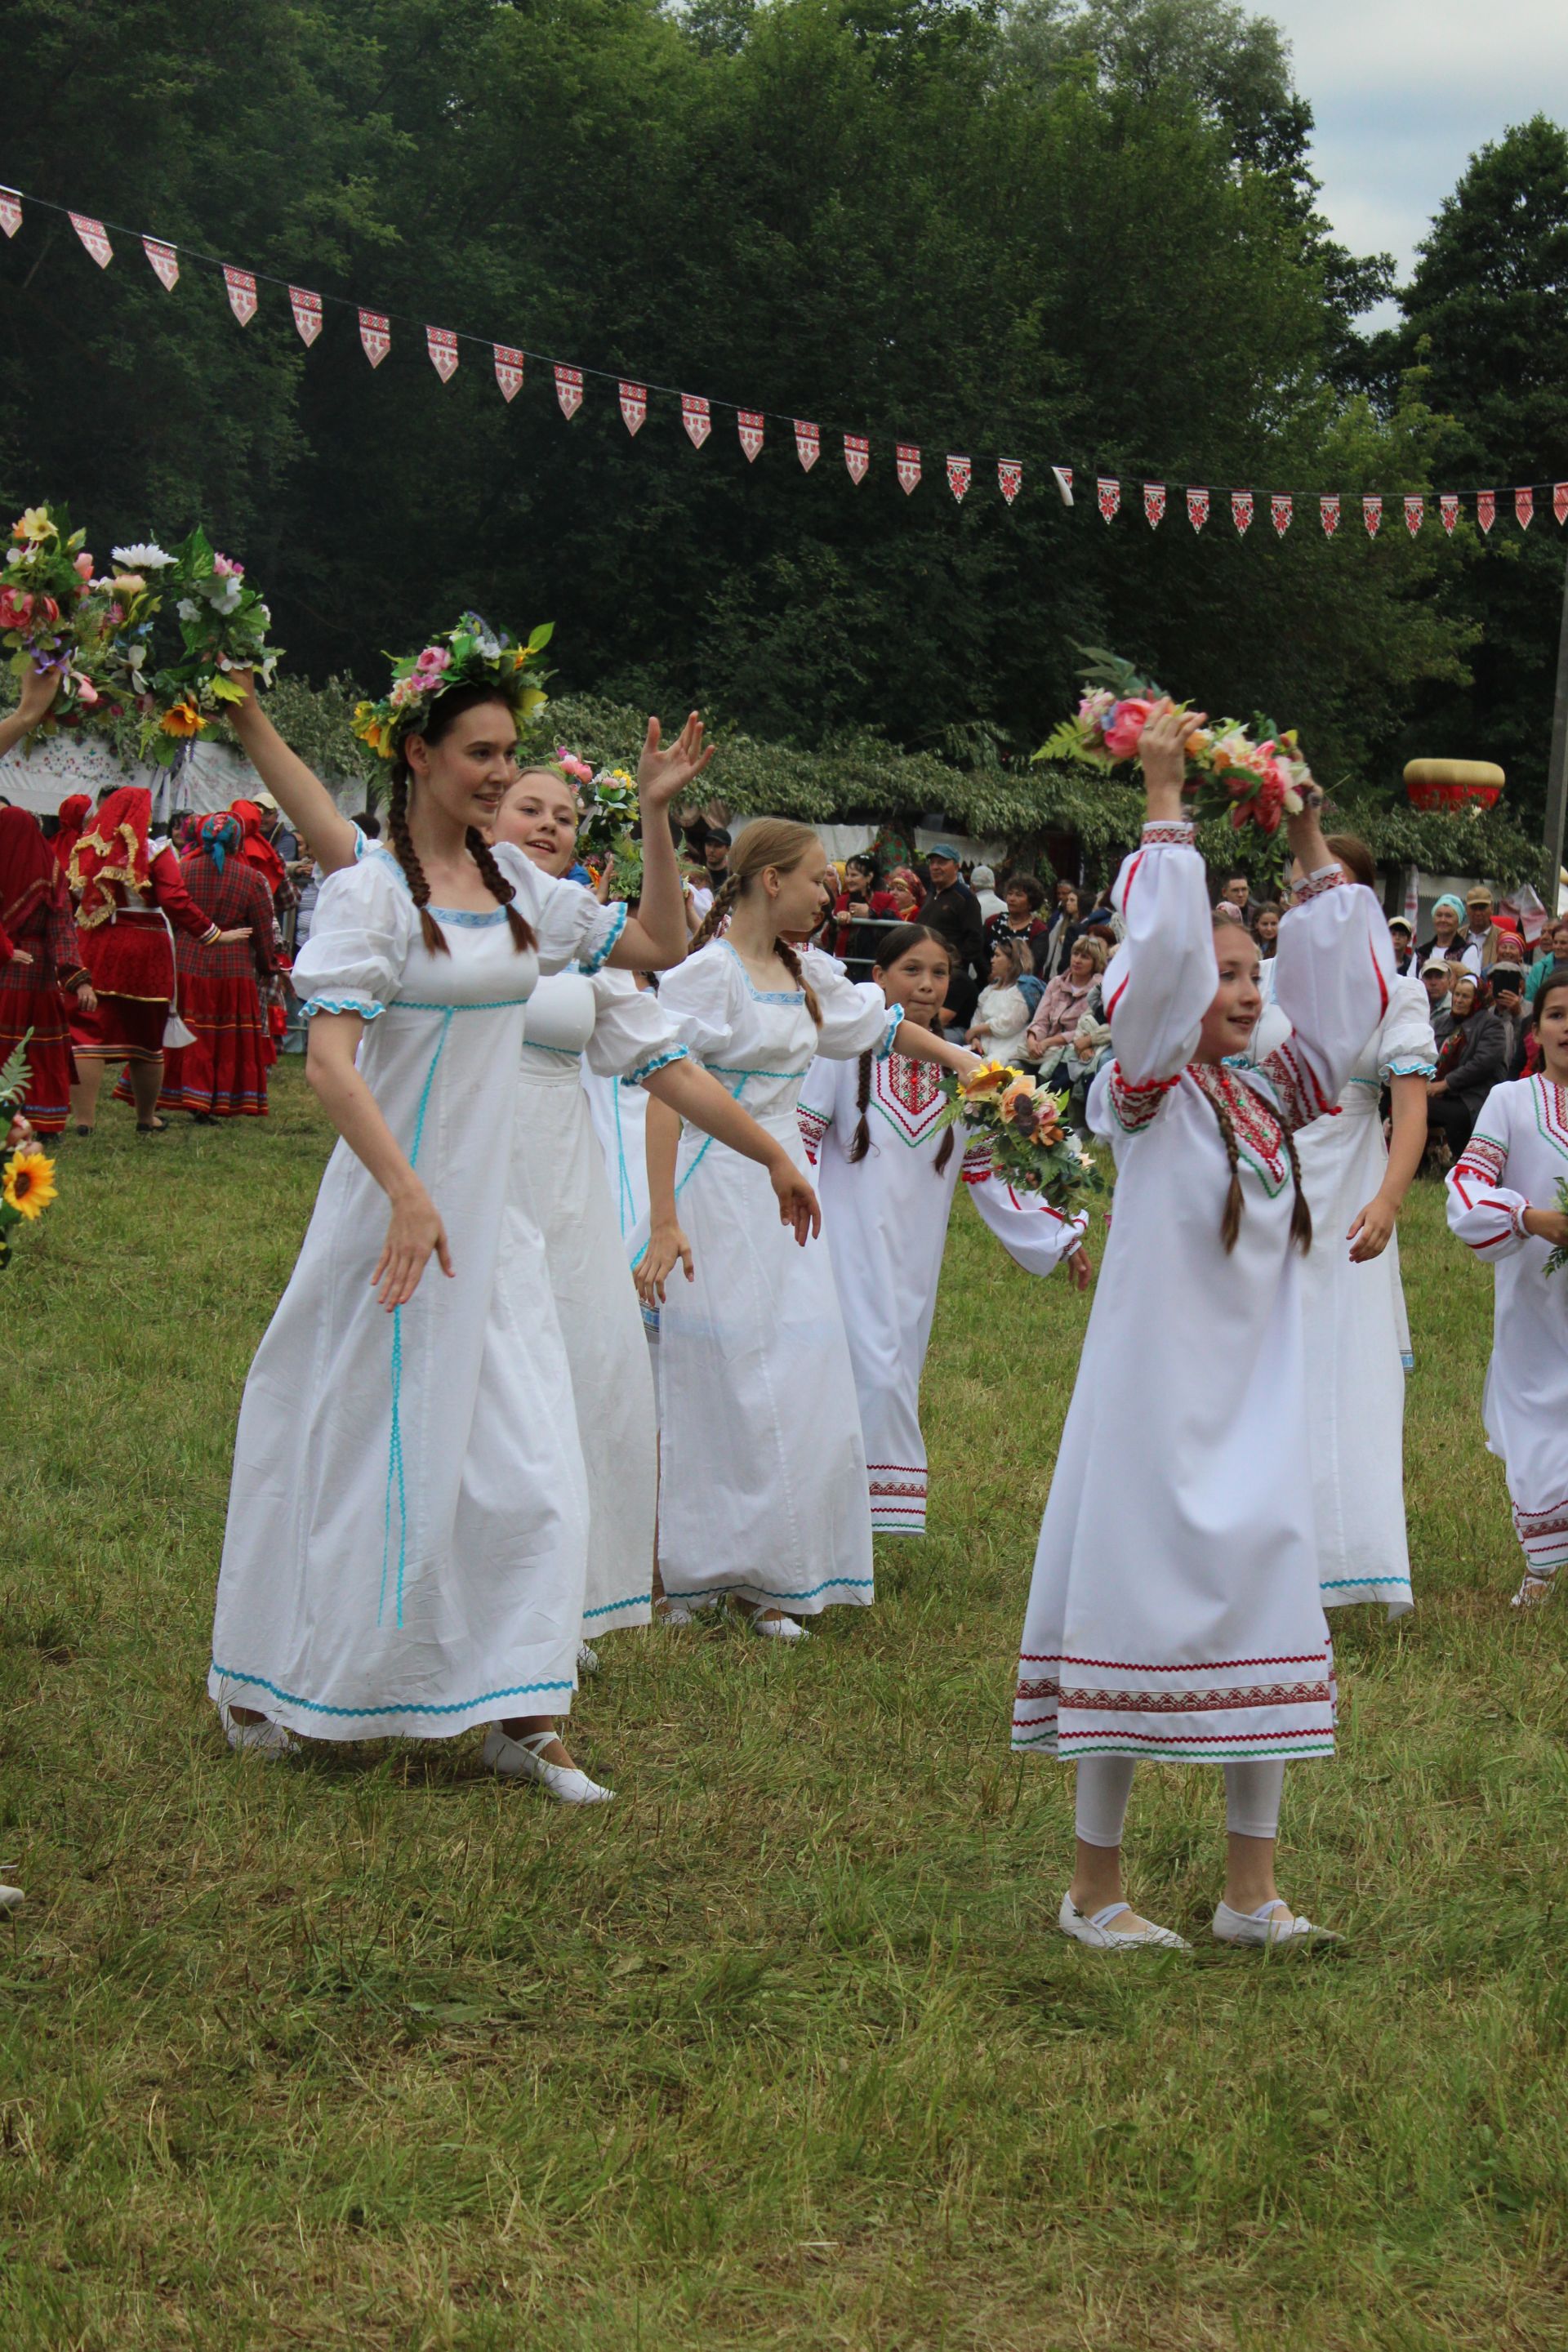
(574, 1024)
(1515, 1160)
(408, 1521)
(762, 1489)
(1174, 1609)
(885, 1219)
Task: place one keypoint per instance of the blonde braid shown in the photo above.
(791, 963)
(718, 914)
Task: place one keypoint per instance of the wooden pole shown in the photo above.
(1557, 768)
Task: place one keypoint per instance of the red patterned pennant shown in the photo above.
(808, 443)
(1372, 514)
(94, 237)
(1197, 508)
(1486, 509)
(508, 371)
(1414, 512)
(442, 345)
(164, 261)
(1523, 508)
(1009, 477)
(241, 293)
(1280, 509)
(1108, 490)
(1154, 503)
(1241, 510)
(857, 456)
(1448, 508)
(695, 417)
(1062, 477)
(375, 334)
(750, 425)
(633, 406)
(1328, 508)
(10, 211)
(307, 310)
(960, 474)
(1560, 501)
(569, 389)
(907, 458)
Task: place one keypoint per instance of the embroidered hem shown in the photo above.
(1179, 835)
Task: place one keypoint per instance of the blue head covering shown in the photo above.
(1450, 899)
(217, 838)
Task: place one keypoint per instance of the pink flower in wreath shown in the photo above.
(84, 565)
(432, 662)
(1125, 730)
(15, 608)
(226, 568)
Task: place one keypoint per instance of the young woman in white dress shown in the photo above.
(888, 1173)
(407, 1537)
(764, 1494)
(1503, 1200)
(1175, 1610)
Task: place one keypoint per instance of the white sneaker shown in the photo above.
(11, 1897)
(587, 1659)
(520, 1760)
(1265, 1926)
(263, 1739)
(1533, 1590)
(1095, 1929)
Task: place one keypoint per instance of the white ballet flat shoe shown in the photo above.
(778, 1629)
(520, 1760)
(263, 1739)
(587, 1659)
(1095, 1930)
(1533, 1590)
(11, 1897)
(1263, 1927)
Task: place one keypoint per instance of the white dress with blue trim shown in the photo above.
(407, 1534)
(764, 1489)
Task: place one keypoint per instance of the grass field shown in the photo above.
(783, 2048)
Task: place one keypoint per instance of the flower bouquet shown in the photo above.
(223, 624)
(28, 1178)
(114, 630)
(612, 814)
(1254, 775)
(1025, 1125)
(472, 654)
(45, 581)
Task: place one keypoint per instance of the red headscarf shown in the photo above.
(74, 813)
(112, 849)
(28, 875)
(255, 849)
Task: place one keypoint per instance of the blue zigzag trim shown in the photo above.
(408, 1707)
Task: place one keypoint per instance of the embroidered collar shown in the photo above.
(909, 1096)
(765, 996)
(1551, 1110)
(1260, 1133)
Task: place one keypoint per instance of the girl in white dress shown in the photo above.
(1175, 1610)
(888, 1174)
(1503, 1202)
(407, 1536)
(1002, 1015)
(765, 1487)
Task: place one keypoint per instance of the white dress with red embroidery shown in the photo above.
(885, 1219)
(1515, 1160)
(1175, 1610)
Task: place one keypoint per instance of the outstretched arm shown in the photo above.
(657, 936)
(297, 789)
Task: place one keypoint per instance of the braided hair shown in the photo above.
(1230, 1224)
(893, 946)
(447, 709)
(769, 841)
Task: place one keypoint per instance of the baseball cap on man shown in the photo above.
(942, 849)
(1399, 923)
(1479, 897)
(1437, 963)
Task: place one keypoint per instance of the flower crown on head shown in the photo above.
(471, 653)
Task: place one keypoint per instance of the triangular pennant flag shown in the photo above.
(10, 211)
(1010, 478)
(960, 473)
(907, 458)
(1281, 506)
(750, 425)
(1108, 491)
(1414, 512)
(1372, 514)
(375, 334)
(857, 456)
(1560, 501)
(164, 261)
(569, 389)
(1197, 508)
(94, 237)
(1154, 503)
(1448, 508)
(1328, 508)
(241, 293)
(442, 345)
(1523, 508)
(307, 310)
(1241, 510)
(695, 417)
(808, 443)
(1486, 509)
(508, 371)
(1062, 477)
(633, 406)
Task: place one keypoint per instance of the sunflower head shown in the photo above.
(29, 1183)
(182, 717)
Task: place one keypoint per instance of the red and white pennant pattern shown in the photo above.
(307, 310)
(633, 406)
(164, 262)
(508, 371)
(907, 458)
(241, 288)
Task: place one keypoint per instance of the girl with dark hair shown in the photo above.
(888, 1174)
(1505, 1197)
(1175, 1610)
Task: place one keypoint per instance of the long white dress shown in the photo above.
(1175, 1610)
(408, 1521)
(763, 1471)
(1357, 1332)
(1515, 1160)
(885, 1219)
(606, 1023)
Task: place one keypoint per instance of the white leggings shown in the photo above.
(1252, 1790)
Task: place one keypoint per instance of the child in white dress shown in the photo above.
(1000, 1020)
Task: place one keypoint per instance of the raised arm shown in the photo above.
(39, 687)
(297, 789)
(657, 936)
(1335, 970)
(1162, 979)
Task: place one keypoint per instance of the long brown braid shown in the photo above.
(1230, 1224)
(718, 914)
(767, 841)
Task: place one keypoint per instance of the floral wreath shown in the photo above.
(471, 653)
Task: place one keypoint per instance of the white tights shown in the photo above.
(1252, 1790)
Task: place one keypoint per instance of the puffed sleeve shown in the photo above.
(701, 996)
(1483, 1211)
(633, 1034)
(567, 920)
(819, 1100)
(1034, 1234)
(361, 933)
(1335, 961)
(856, 1016)
(1159, 983)
(1406, 1047)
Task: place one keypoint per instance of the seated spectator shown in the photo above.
(1508, 1003)
(1550, 948)
(1091, 1052)
(1266, 930)
(1470, 1063)
(1002, 1014)
(1020, 918)
(1483, 931)
(1448, 935)
(983, 882)
(1060, 1008)
(1438, 979)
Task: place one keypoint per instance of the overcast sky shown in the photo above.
(1405, 91)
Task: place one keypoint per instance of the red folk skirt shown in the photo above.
(28, 1001)
(224, 1074)
(131, 962)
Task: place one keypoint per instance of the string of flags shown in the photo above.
(444, 346)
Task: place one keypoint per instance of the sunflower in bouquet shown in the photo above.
(223, 622)
(26, 1176)
(43, 586)
(1026, 1129)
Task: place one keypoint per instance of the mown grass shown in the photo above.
(783, 2048)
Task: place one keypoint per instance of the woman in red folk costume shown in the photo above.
(224, 1074)
(38, 951)
(70, 824)
(129, 894)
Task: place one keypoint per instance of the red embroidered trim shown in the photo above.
(1176, 836)
(1189, 1666)
(813, 1127)
(1259, 1132)
(1327, 877)
(1553, 1110)
(1292, 1076)
(1484, 1160)
(1206, 1702)
(1205, 1738)
(898, 1486)
(1551, 1521)
(1135, 1107)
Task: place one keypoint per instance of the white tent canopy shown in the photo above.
(206, 776)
